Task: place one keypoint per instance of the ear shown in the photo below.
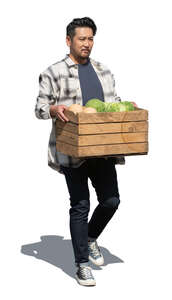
(68, 41)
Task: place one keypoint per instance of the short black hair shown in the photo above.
(80, 22)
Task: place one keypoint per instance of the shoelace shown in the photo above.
(86, 272)
(94, 248)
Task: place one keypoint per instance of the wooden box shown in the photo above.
(103, 134)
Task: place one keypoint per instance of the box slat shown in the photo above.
(139, 126)
(100, 139)
(99, 150)
(105, 117)
(69, 126)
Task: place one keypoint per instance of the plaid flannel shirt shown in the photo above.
(59, 85)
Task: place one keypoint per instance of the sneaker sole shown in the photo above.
(95, 262)
(85, 283)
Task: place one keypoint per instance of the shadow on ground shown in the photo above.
(59, 252)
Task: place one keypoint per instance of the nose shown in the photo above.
(86, 43)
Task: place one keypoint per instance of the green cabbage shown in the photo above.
(112, 106)
(129, 105)
(97, 104)
(118, 106)
(101, 106)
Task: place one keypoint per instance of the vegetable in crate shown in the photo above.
(112, 106)
(118, 106)
(76, 108)
(97, 104)
(129, 105)
(89, 110)
(101, 106)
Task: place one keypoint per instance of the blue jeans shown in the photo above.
(102, 174)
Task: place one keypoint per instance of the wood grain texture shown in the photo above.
(139, 126)
(101, 139)
(101, 134)
(99, 150)
(105, 117)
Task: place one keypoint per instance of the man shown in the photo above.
(76, 79)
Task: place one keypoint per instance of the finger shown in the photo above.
(58, 115)
(64, 117)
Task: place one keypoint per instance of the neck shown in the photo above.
(78, 60)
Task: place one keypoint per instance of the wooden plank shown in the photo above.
(69, 126)
(104, 117)
(140, 115)
(113, 149)
(101, 139)
(99, 150)
(67, 149)
(67, 137)
(116, 155)
(139, 126)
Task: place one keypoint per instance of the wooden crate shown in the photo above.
(102, 134)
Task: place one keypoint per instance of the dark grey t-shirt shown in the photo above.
(90, 84)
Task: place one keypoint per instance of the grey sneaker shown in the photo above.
(95, 256)
(84, 276)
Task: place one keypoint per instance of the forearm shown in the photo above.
(42, 109)
(47, 97)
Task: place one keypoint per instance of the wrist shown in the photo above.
(52, 111)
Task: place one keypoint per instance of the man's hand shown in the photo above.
(57, 112)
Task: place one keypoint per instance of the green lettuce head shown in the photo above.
(97, 104)
(112, 106)
(129, 106)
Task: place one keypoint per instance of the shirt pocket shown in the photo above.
(68, 88)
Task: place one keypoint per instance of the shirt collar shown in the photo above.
(71, 63)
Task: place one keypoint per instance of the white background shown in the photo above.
(134, 40)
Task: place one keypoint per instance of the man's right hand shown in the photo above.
(57, 112)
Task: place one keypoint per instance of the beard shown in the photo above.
(80, 55)
(85, 55)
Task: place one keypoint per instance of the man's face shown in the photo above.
(82, 42)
